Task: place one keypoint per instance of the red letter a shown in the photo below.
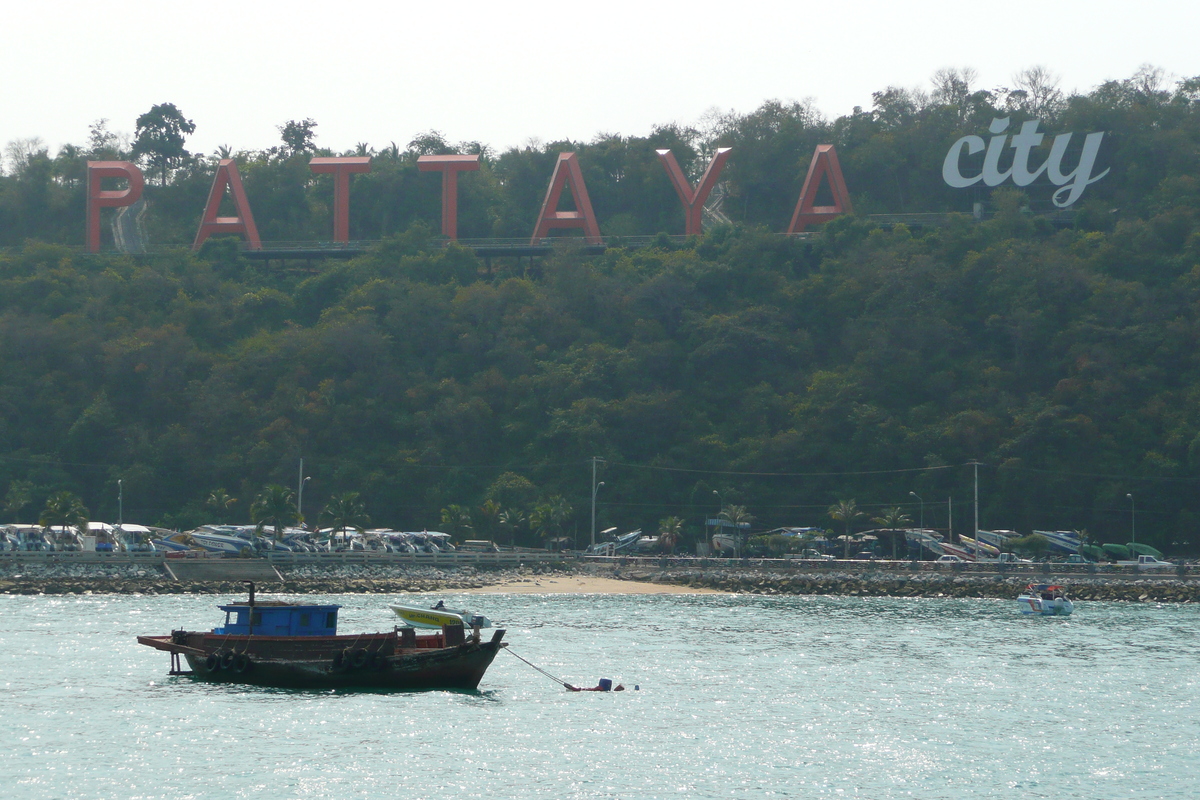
(243, 223)
(693, 203)
(567, 171)
(824, 164)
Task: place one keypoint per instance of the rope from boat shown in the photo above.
(539, 669)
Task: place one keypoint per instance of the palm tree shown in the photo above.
(739, 517)
(560, 510)
(275, 505)
(20, 493)
(219, 501)
(669, 532)
(64, 510)
(893, 519)
(539, 519)
(345, 511)
(549, 515)
(457, 521)
(489, 516)
(512, 518)
(845, 511)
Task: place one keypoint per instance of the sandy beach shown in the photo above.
(582, 584)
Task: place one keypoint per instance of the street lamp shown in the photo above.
(595, 488)
(1132, 519)
(120, 503)
(300, 500)
(922, 502)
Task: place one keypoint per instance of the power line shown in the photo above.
(784, 474)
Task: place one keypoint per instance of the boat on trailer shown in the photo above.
(284, 644)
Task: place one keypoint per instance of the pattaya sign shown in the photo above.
(824, 166)
(1071, 184)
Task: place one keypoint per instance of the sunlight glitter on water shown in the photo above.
(741, 696)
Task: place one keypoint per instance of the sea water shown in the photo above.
(740, 697)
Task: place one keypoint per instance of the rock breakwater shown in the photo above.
(80, 579)
(925, 584)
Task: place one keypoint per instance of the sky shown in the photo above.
(507, 73)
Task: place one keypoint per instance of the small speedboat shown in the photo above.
(439, 615)
(1045, 600)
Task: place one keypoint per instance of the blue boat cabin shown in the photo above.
(279, 619)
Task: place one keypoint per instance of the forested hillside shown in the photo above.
(867, 361)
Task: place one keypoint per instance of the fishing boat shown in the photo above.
(284, 644)
(439, 615)
(1046, 600)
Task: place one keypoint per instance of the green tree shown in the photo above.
(893, 519)
(845, 511)
(275, 505)
(456, 520)
(489, 515)
(297, 136)
(548, 516)
(159, 138)
(740, 519)
(64, 509)
(343, 511)
(19, 495)
(220, 501)
(512, 520)
(670, 530)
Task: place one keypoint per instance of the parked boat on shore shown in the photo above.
(1062, 541)
(284, 644)
(978, 547)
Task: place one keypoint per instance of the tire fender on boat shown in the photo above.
(360, 658)
(242, 663)
(212, 662)
(227, 659)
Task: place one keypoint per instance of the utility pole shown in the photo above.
(595, 488)
(976, 465)
(120, 503)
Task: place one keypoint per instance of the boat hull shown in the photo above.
(1036, 606)
(369, 661)
(434, 618)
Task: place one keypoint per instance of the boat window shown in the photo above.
(256, 618)
(331, 619)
